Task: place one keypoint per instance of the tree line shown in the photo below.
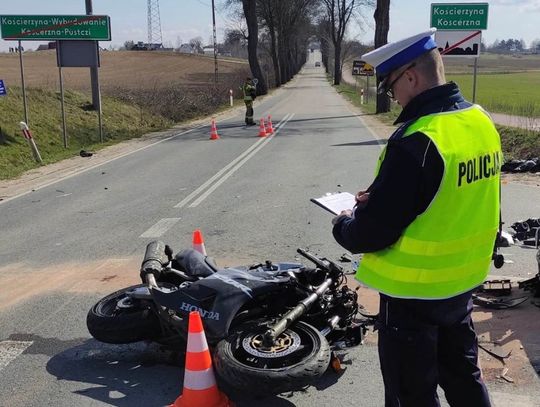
(279, 34)
(510, 45)
(276, 36)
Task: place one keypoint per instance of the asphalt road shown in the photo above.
(66, 245)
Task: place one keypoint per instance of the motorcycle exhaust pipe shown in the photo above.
(154, 259)
(273, 332)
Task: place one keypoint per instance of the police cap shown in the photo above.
(396, 54)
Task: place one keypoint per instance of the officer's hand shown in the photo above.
(362, 198)
(347, 213)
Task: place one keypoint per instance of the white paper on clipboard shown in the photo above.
(337, 202)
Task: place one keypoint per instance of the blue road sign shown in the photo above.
(3, 91)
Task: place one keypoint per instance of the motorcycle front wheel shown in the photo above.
(299, 355)
(118, 318)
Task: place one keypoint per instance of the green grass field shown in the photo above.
(507, 84)
(516, 143)
(120, 122)
(513, 93)
(510, 93)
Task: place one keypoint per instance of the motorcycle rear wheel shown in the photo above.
(301, 355)
(118, 319)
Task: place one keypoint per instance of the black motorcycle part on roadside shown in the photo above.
(195, 264)
(220, 296)
(135, 321)
(301, 355)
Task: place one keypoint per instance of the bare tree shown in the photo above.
(535, 46)
(338, 14)
(382, 26)
(293, 28)
(323, 31)
(128, 45)
(352, 50)
(269, 12)
(285, 28)
(236, 42)
(196, 43)
(250, 13)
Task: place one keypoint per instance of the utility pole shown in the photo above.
(94, 79)
(96, 97)
(215, 43)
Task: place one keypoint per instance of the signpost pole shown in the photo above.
(94, 79)
(23, 86)
(100, 115)
(64, 133)
(215, 44)
(474, 80)
(367, 86)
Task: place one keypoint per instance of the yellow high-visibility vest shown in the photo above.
(447, 249)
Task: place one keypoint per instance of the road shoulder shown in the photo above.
(511, 371)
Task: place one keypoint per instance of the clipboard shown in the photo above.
(336, 202)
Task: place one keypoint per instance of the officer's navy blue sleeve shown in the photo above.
(405, 186)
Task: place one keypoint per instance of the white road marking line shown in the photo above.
(233, 170)
(9, 350)
(191, 196)
(188, 198)
(160, 227)
(77, 172)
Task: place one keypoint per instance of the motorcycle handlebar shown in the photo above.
(318, 262)
(324, 264)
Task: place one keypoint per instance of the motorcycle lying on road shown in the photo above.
(270, 325)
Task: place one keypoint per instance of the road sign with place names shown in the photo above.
(361, 68)
(44, 27)
(459, 16)
(459, 43)
(3, 91)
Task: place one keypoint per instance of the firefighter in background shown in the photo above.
(250, 92)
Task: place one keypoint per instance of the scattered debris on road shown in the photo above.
(85, 153)
(531, 165)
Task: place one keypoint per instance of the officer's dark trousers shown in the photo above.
(423, 344)
(249, 111)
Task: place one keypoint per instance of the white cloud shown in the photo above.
(522, 5)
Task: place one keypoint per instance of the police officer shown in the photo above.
(249, 90)
(427, 227)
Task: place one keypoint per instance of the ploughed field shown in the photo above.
(125, 69)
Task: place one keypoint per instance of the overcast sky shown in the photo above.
(186, 19)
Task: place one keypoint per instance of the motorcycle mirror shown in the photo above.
(498, 261)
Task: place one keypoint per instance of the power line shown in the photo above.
(203, 3)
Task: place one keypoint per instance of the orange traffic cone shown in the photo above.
(269, 128)
(200, 389)
(198, 242)
(213, 131)
(262, 130)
